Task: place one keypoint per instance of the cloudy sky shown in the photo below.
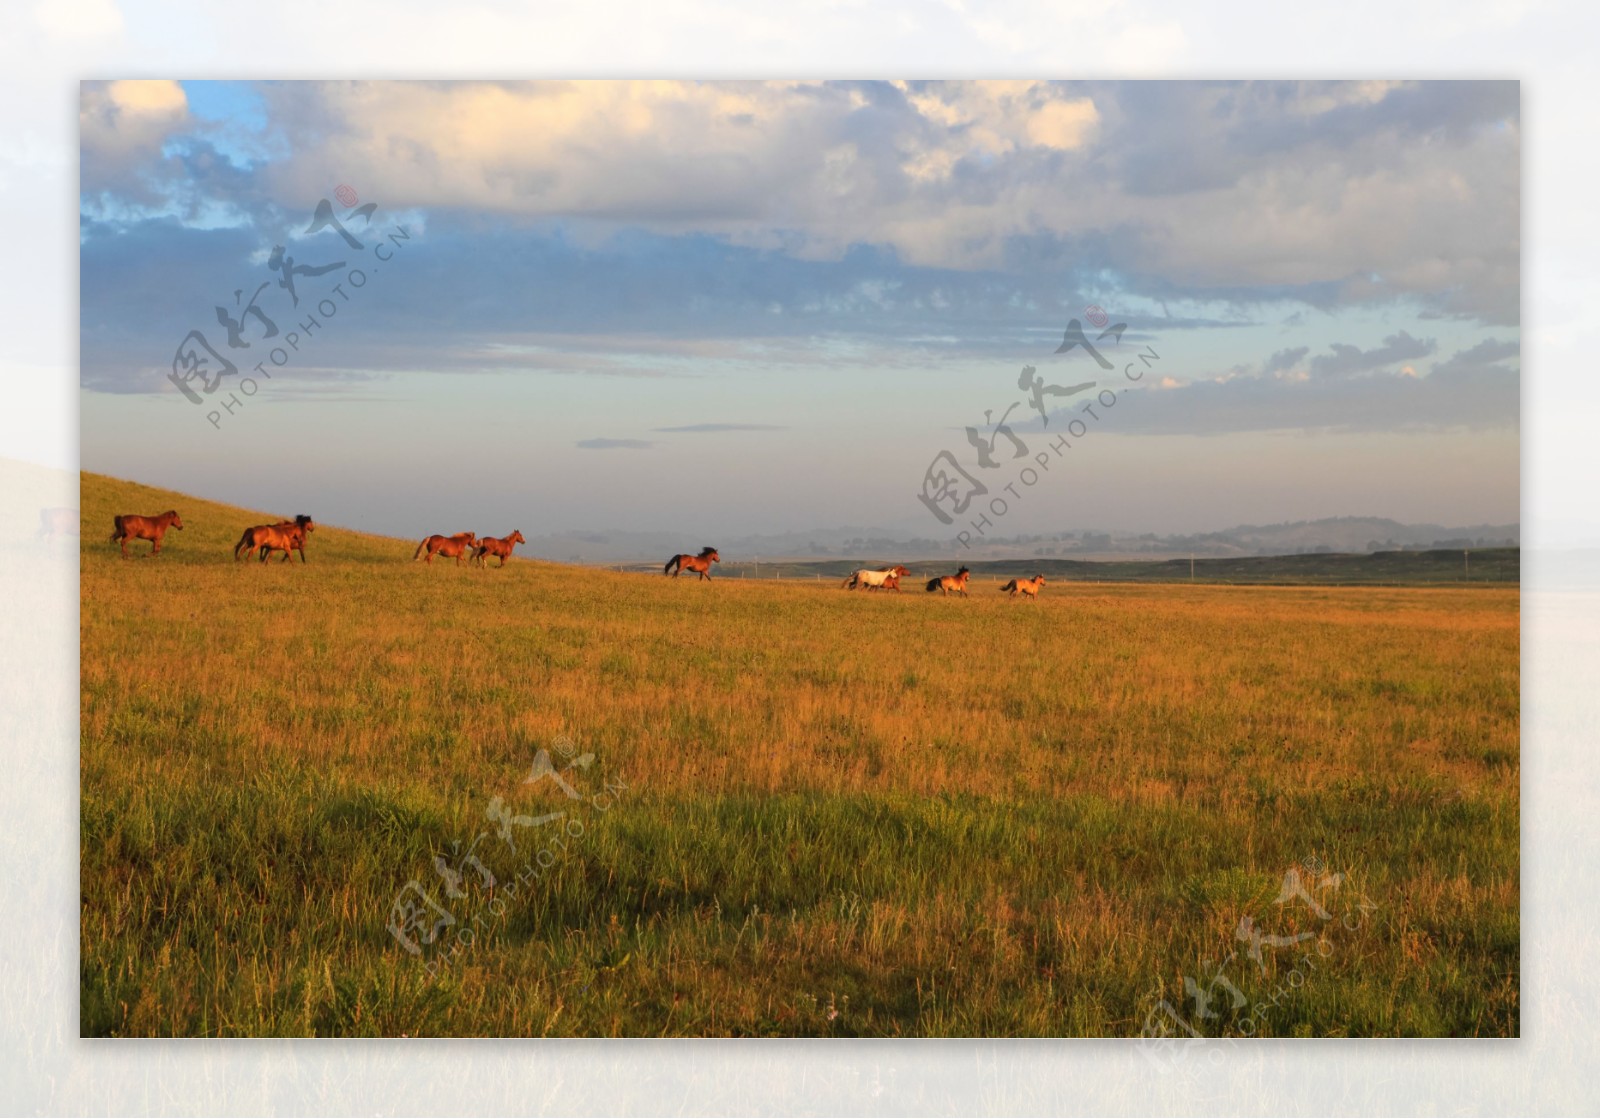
(740, 307)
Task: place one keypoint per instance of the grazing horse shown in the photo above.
(280, 537)
(1026, 588)
(887, 578)
(446, 546)
(947, 583)
(129, 527)
(491, 546)
(700, 564)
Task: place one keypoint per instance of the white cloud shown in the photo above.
(1368, 189)
(122, 126)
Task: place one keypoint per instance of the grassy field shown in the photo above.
(794, 810)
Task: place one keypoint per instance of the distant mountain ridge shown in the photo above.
(1330, 534)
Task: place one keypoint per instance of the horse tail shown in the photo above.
(671, 563)
(116, 530)
(243, 540)
(418, 553)
(933, 584)
(849, 581)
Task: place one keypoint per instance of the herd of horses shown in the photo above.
(289, 537)
(888, 579)
(462, 543)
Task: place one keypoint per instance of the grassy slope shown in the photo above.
(830, 813)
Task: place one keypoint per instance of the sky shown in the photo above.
(745, 307)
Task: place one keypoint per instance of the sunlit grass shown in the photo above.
(843, 813)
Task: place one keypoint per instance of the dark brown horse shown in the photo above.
(1025, 588)
(280, 537)
(493, 546)
(447, 546)
(947, 584)
(129, 527)
(701, 564)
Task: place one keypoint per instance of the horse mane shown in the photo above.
(707, 550)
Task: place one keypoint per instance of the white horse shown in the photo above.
(876, 579)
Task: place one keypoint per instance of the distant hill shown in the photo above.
(1409, 568)
(1329, 535)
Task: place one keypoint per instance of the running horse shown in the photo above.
(1024, 588)
(446, 546)
(491, 546)
(285, 536)
(945, 584)
(129, 527)
(887, 578)
(700, 564)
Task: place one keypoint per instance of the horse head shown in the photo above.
(709, 553)
(516, 538)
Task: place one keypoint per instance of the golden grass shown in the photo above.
(1049, 798)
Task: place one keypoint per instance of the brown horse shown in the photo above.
(491, 546)
(701, 564)
(948, 583)
(892, 583)
(129, 527)
(280, 537)
(1026, 588)
(446, 546)
(291, 535)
